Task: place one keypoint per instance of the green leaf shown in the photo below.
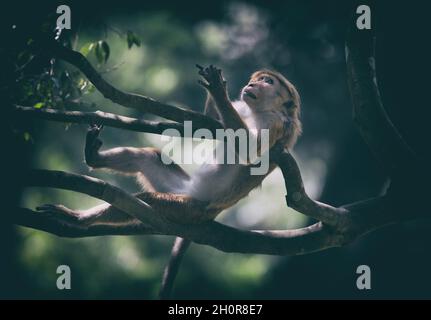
(39, 105)
(102, 51)
(27, 136)
(82, 84)
(87, 48)
(132, 39)
(91, 88)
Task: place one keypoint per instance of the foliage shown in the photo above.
(153, 52)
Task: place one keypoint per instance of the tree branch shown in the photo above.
(100, 117)
(336, 226)
(369, 114)
(31, 219)
(341, 226)
(108, 119)
(128, 100)
(291, 242)
(98, 189)
(298, 199)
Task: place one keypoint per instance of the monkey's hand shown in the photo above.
(213, 80)
(93, 144)
(216, 86)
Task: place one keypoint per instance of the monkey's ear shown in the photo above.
(289, 104)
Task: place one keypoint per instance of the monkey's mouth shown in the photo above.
(250, 94)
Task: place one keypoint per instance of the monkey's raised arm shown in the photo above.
(210, 107)
(216, 86)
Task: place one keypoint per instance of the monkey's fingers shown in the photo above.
(97, 127)
(220, 76)
(212, 75)
(204, 84)
(93, 127)
(214, 69)
(204, 73)
(57, 211)
(213, 72)
(94, 130)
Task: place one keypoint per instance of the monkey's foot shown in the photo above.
(93, 141)
(60, 213)
(93, 144)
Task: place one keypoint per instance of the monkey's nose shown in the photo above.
(251, 85)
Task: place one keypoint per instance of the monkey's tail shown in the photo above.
(178, 250)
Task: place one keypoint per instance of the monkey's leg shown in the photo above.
(178, 208)
(174, 207)
(144, 163)
(103, 214)
(155, 171)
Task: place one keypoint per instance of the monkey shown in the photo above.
(267, 101)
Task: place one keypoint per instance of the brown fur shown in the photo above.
(162, 182)
(292, 127)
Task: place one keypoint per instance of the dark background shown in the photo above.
(305, 41)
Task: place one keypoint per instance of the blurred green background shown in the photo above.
(304, 40)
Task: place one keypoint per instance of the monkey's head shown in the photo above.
(269, 90)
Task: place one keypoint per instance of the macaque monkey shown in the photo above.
(268, 101)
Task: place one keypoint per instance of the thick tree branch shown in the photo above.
(287, 242)
(129, 100)
(343, 224)
(352, 220)
(369, 114)
(296, 196)
(98, 189)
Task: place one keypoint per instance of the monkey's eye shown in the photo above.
(269, 80)
(266, 79)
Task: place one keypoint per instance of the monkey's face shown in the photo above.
(264, 92)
